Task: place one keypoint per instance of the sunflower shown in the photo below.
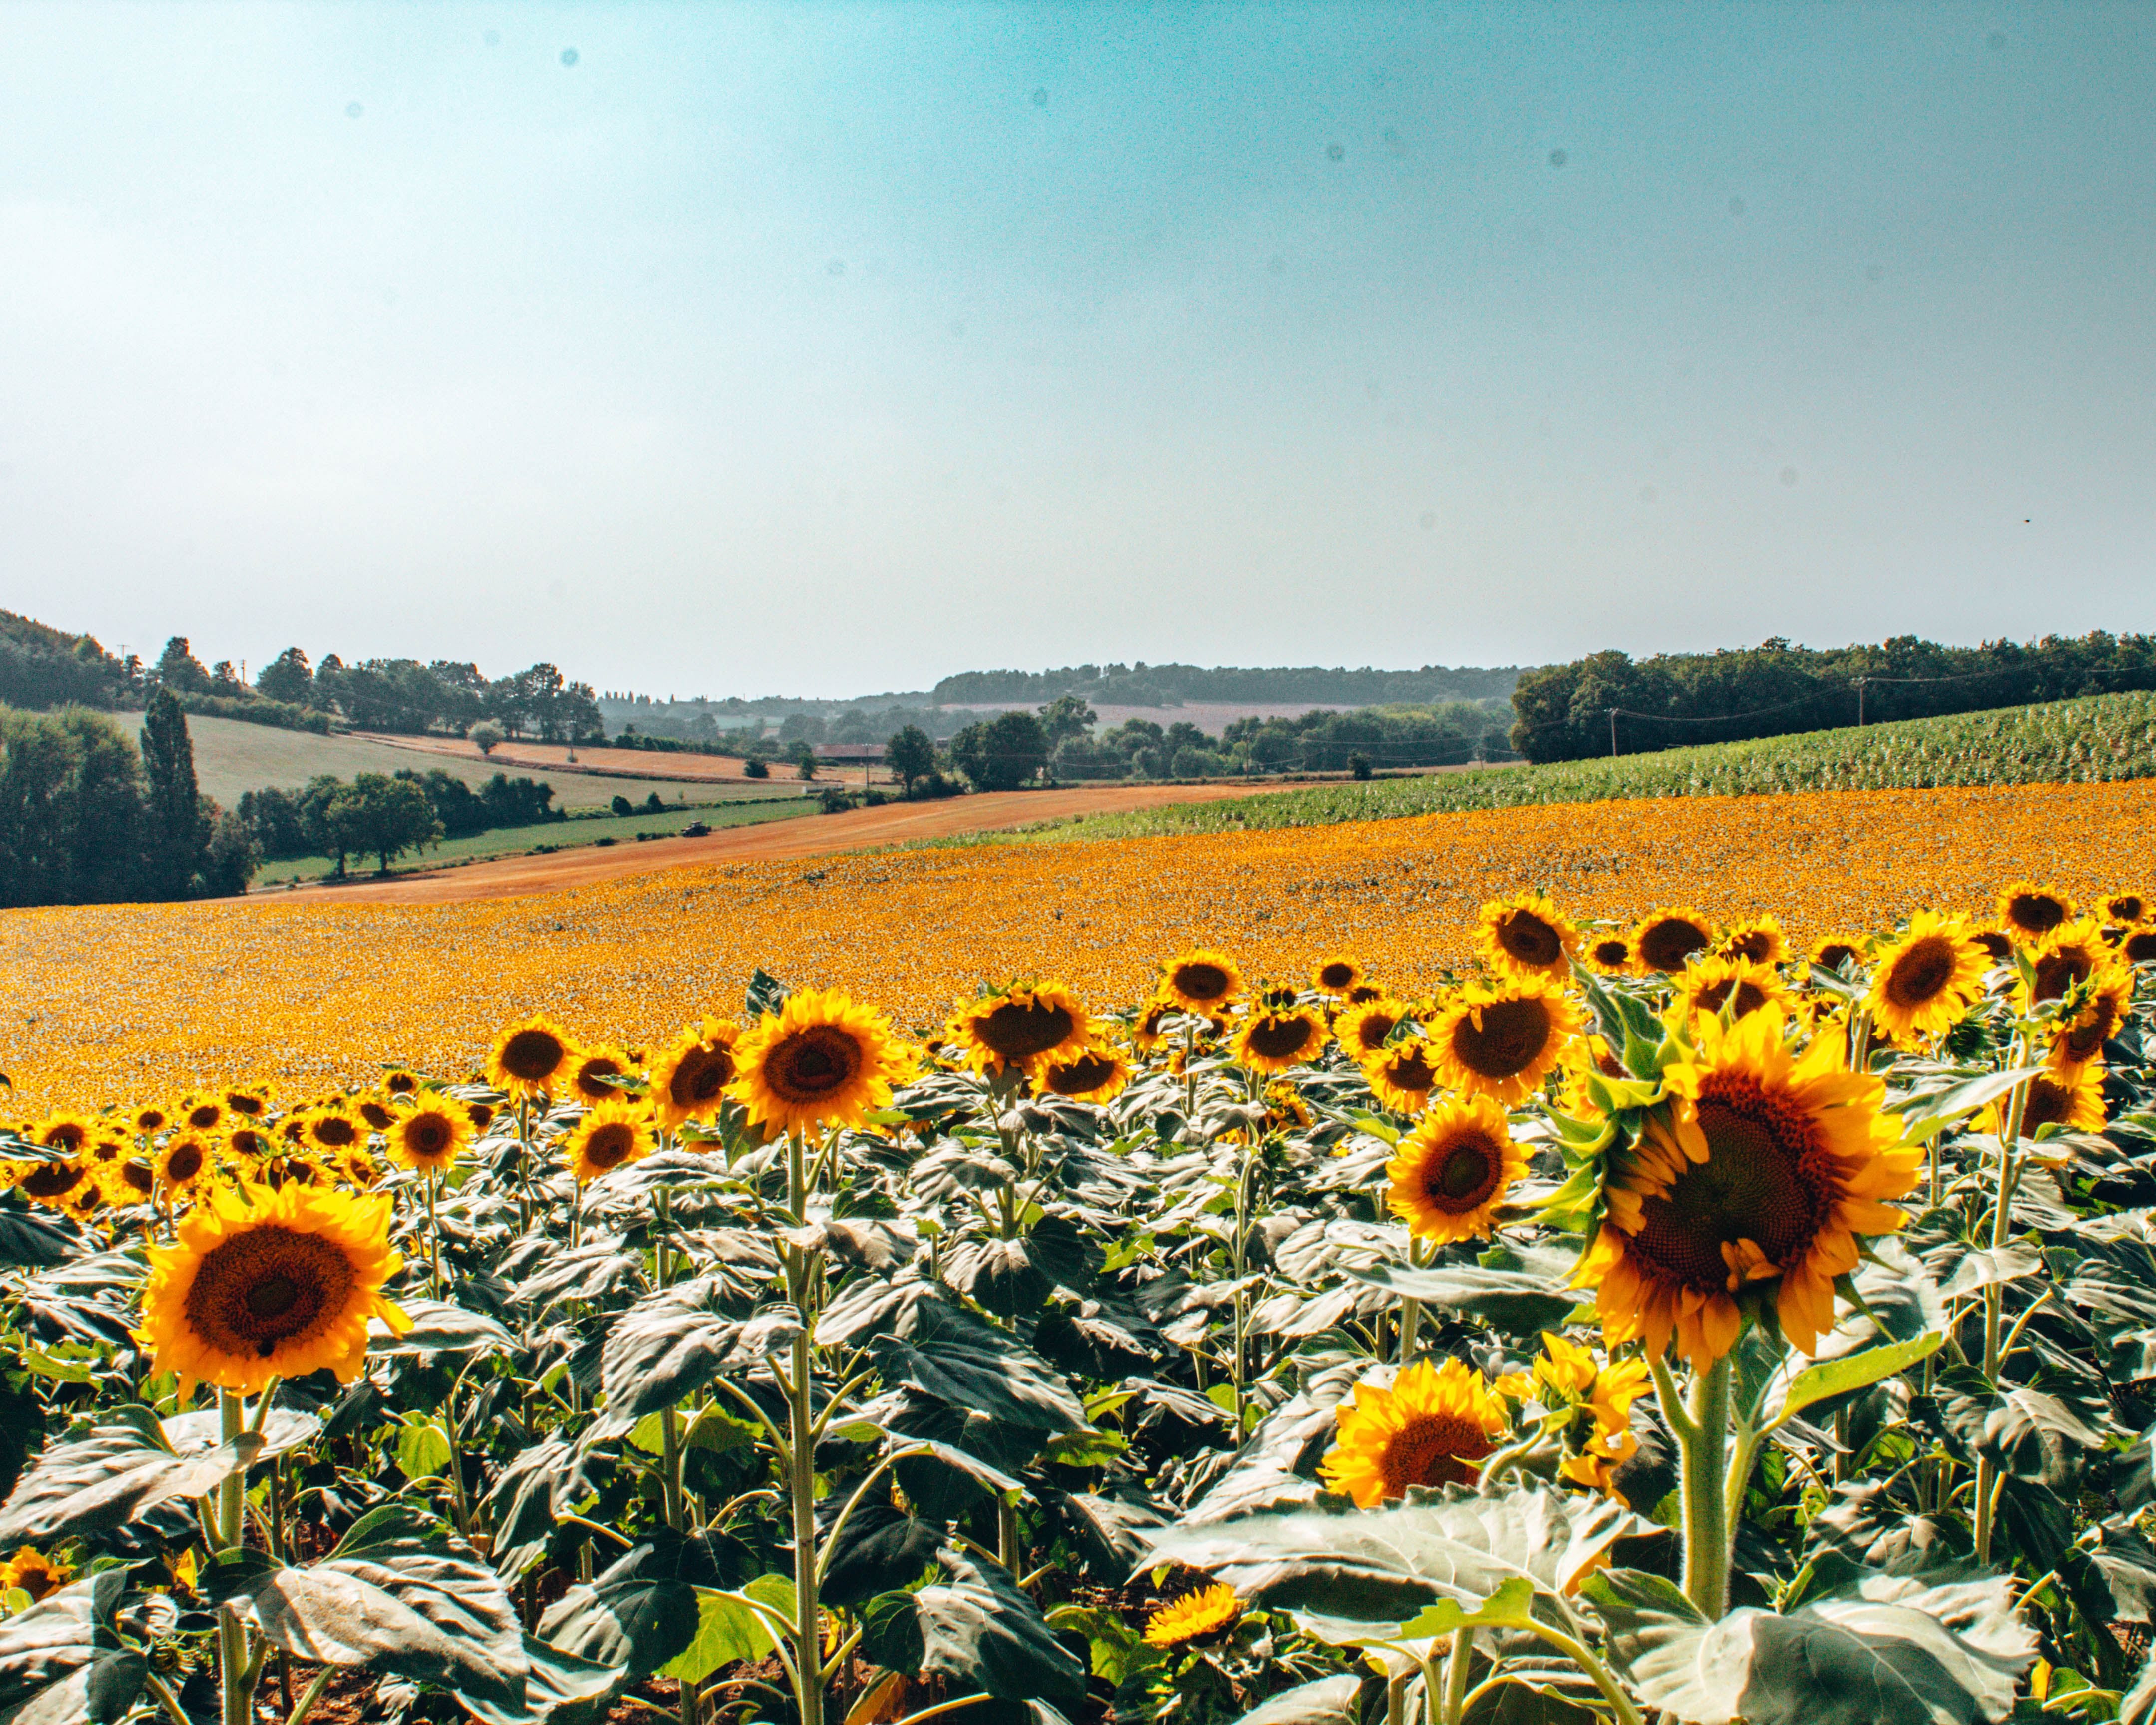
(1765, 1164)
(331, 1130)
(1830, 951)
(2029, 911)
(1279, 1038)
(1403, 1075)
(71, 1134)
(1201, 980)
(250, 1141)
(1337, 975)
(429, 1137)
(1760, 939)
(1524, 935)
(2122, 908)
(34, 1573)
(1434, 1427)
(1096, 1074)
(2067, 956)
(250, 1100)
(2073, 1099)
(376, 1112)
(588, 1072)
(1502, 1042)
(85, 1200)
(1285, 1110)
(1151, 1027)
(128, 1180)
(1014, 1028)
(264, 1285)
(1363, 1030)
(610, 1135)
(689, 1079)
(1998, 945)
(202, 1114)
(1599, 1435)
(1453, 1171)
(2139, 945)
(2107, 999)
(151, 1118)
(52, 1183)
(1665, 940)
(399, 1082)
(1610, 953)
(1204, 1611)
(1707, 985)
(823, 1057)
(482, 1114)
(185, 1159)
(527, 1058)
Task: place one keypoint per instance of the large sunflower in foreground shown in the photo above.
(1766, 1165)
(1707, 985)
(1453, 1170)
(1403, 1076)
(2029, 911)
(1201, 980)
(528, 1058)
(822, 1058)
(1924, 983)
(1014, 1028)
(1434, 1427)
(264, 1285)
(689, 1081)
(1524, 935)
(610, 1135)
(431, 1137)
(1204, 1611)
(1279, 1037)
(1502, 1042)
(1666, 939)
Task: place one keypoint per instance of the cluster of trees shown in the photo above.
(42, 668)
(403, 696)
(1142, 685)
(1680, 699)
(87, 817)
(383, 815)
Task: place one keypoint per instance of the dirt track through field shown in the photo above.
(806, 835)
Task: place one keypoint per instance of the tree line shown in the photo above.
(1611, 703)
(87, 817)
(383, 815)
(1142, 685)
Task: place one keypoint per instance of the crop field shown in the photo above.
(232, 758)
(2101, 739)
(1303, 1277)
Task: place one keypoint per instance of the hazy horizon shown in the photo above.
(834, 349)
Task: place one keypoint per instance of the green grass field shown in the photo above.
(2106, 737)
(564, 835)
(231, 757)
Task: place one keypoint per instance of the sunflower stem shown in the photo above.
(233, 1669)
(1704, 1487)
(2002, 1229)
(808, 1645)
(1455, 1675)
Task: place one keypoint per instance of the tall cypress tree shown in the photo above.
(176, 822)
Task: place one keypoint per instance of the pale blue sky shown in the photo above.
(831, 348)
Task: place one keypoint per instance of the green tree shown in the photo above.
(176, 833)
(911, 754)
(73, 822)
(325, 837)
(231, 857)
(1066, 716)
(177, 668)
(382, 815)
(804, 760)
(288, 677)
(1001, 753)
(486, 738)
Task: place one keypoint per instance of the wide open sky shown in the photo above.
(829, 348)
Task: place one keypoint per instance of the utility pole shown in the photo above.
(1612, 733)
(1861, 682)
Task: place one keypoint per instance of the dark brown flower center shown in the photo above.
(703, 1072)
(1280, 1037)
(334, 1132)
(1834, 954)
(2048, 1104)
(1613, 954)
(1433, 1450)
(1755, 944)
(1529, 939)
(1464, 1173)
(587, 1083)
(1767, 1178)
(1920, 975)
(1667, 943)
(1202, 982)
(533, 1055)
(1750, 996)
(1511, 1035)
(428, 1135)
(1408, 1070)
(2139, 946)
(812, 1063)
(2059, 970)
(1336, 976)
(258, 1289)
(184, 1162)
(1019, 1029)
(2038, 912)
(204, 1116)
(1082, 1076)
(609, 1145)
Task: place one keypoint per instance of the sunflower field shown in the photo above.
(1655, 1317)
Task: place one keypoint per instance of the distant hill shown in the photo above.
(1142, 685)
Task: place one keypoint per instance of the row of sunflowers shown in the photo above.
(1660, 1318)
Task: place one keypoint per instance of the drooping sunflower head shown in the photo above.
(584, 1076)
(822, 1058)
(1453, 1171)
(1363, 1030)
(1161, 1015)
(2071, 1099)
(1337, 975)
(1013, 1028)
(1524, 935)
(2105, 999)
(250, 1141)
(1667, 940)
(2139, 945)
(1759, 940)
(332, 1130)
(131, 1179)
(610, 1135)
(375, 1112)
(2029, 911)
(87, 1200)
(1830, 951)
(1403, 1074)
(689, 1081)
(1765, 1167)
(2124, 909)
(1502, 1042)
(1435, 1426)
(1095, 1074)
(363, 1168)
(1279, 1038)
(430, 1135)
(398, 1081)
(71, 1134)
(1198, 1615)
(1923, 983)
(249, 1101)
(1705, 986)
(184, 1160)
(1998, 945)
(34, 1573)
(1286, 1109)
(2063, 959)
(1609, 953)
(1201, 980)
(53, 1183)
(527, 1059)
(1598, 1436)
(264, 1285)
